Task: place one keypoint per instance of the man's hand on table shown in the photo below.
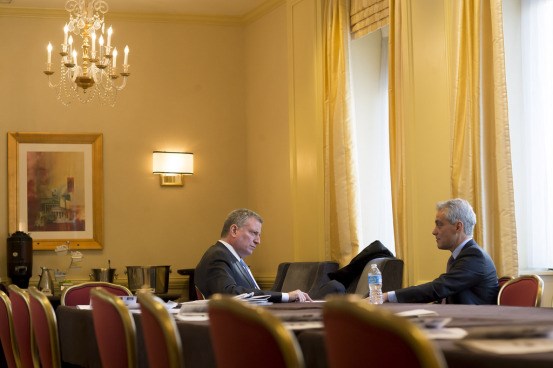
(384, 298)
(299, 296)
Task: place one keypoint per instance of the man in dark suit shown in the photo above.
(470, 277)
(222, 268)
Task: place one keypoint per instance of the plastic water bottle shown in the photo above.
(375, 285)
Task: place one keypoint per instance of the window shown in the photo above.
(369, 69)
(528, 32)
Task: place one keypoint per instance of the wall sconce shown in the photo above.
(172, 166)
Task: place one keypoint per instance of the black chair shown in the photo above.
(306, 276)
(392, 276)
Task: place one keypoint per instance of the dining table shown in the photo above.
(78, 343)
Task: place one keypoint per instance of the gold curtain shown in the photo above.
(368, 16)
(341, 183)
(481, 160)
(400, 111)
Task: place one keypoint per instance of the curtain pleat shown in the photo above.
(481, 161)
(341, 183)
(397, 108)
(367, 16)
(500, 234)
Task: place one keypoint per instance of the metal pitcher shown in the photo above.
(46, 281)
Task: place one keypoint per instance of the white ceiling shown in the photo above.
(175, 7)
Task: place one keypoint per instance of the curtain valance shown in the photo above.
(367, 16)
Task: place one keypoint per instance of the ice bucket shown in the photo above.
(103, 274)
(149, 277)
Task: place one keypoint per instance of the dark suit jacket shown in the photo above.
(347, 274)
(472, 279)
(220, 272)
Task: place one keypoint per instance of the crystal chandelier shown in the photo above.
(92, 71)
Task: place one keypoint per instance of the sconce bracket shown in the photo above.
(171, 180)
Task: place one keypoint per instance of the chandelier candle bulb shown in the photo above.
(101, 43)
(70, 41)
(126, 61)
(93, 37)
(65, 31)
(75, 57)
(110, 31)
(114, 57)
(49, 48)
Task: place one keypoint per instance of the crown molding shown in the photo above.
(260, 11)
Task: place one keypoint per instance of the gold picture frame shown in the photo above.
(55, 189)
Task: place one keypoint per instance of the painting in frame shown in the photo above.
(55, 189)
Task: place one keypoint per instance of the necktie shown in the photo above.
(247, 271)
(449, 262)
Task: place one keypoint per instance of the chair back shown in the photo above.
(161, 337)
(245, 336)
(392, 276)
(522, 291)
(80, 294)
(503, 279)
(114, 329)
(45, 329)
(22, 326)
(358, 334)
(311, 277)
(7, 332)
(199, 294)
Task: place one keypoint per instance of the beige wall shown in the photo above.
(246, 100)
(187, 92)
(268, 163)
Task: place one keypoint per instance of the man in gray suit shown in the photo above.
(222, 268)
(470, 277)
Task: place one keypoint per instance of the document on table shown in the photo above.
(417, 313)
(509, 346)
(306, 325)
(446, 333)
(192, 317)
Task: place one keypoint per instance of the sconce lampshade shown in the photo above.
(173, 163)
(171, 166)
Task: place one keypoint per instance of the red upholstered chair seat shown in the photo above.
(7, 332)
(358, 334)
(522, 291)
(80, 294)
(114, 329)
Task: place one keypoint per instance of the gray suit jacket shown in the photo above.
(220, 272)
(471, 279)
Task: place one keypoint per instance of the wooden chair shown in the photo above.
(7, 332)
(45, 329)
(114, 329)
(22, 326)
(244, 336)
(358, 334)
(80, 294)
(503, 279)
(161, 337)
(522, 291)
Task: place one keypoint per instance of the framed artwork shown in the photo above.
(55, 189)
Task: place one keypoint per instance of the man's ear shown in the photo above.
(459, 226)
(233, 229)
